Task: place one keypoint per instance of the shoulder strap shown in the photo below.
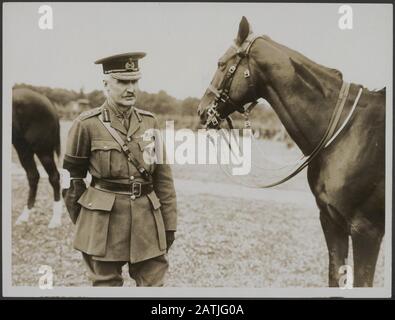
(144, 173)
(89, 113)
(144, 112)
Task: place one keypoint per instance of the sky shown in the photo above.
(183, 41)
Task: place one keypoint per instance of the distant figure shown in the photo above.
(35, 130)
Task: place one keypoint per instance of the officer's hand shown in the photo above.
(71, 196)
(169, 239)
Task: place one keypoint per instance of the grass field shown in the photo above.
(228, 235)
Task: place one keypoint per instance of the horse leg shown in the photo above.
(26, 157)
(337, 242)
(48, 162)
(366, 240)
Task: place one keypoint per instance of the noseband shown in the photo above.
(222, 98)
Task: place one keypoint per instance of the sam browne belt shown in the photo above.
(138, 189)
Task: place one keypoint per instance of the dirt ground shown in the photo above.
(228, 235)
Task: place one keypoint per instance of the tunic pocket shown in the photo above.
(147, 152)
(160, 226)
(146, 145)
(93, 221)
(94, 199)
(108, 158)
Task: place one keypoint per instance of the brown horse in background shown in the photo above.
(348, 177)
(35, 130)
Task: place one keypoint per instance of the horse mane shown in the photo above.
(307, 69)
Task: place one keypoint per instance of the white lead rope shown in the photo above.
(346, 120)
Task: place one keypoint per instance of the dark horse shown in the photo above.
(348, 177)
(35, 130)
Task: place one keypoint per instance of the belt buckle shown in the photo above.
(136, 186)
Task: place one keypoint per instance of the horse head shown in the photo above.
(233, 84)
(258, 67)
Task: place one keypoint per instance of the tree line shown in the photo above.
(159, 103)
(165, 107)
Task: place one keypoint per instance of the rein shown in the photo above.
(329, 136)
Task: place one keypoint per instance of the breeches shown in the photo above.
(147, 273)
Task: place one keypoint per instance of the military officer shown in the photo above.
(128, 213)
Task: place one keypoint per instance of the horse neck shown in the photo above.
(303, 100)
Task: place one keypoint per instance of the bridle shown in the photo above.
(222, 98)
(214, 118)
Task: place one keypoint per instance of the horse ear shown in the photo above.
(244, 31)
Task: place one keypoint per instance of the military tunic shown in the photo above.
(114, 226)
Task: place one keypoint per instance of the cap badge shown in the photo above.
(129, 65)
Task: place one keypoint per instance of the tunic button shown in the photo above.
(131, 177)
(89, 204)
(105, 147)
(132, 197)
(128, 138)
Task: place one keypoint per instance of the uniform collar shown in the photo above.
(117, 111)
(116, 119)
(134, 123)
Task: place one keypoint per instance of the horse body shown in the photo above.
(348, 182)
(347, 178)
(35, 130)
